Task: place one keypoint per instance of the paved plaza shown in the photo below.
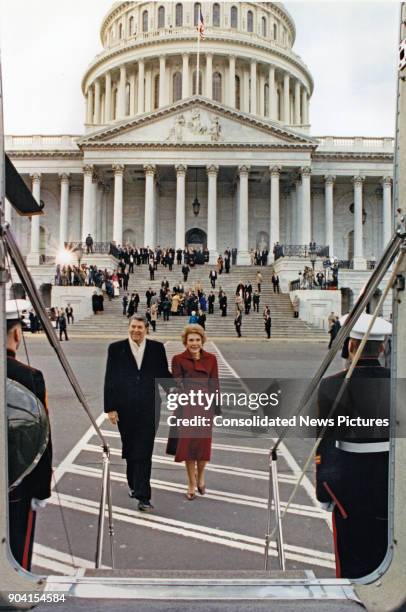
(225, 529)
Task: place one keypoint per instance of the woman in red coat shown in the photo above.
(195, 369)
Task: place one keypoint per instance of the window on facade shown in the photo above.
(179, 15)
(279, 105)
(197, 10)
(216, 15)
(161, 17)
(250, 21)
(200, 82)
(156, 91)
(237, 92)
(131, 26)
(145, 21)
(264, 27)
(120, 30)
(266, 100)
(217, 94)
(177, 86)
(234, 17)
(127, 98)
(275, 31)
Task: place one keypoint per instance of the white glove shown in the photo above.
(327, 506)
(38, 504)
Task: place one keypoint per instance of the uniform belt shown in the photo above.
(359, 447)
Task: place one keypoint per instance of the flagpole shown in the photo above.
(198, 58)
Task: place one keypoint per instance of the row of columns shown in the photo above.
(303, 207)
(144, 95)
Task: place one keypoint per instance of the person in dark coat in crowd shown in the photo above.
(255, 301)
(125, 304)
(63, 327)
(69, 314)
(223, 304)
(211, 299)
(132, 403)
(333, 331)
(268, 325)
(185, 272)
(238, 323)
(195, 369)
(29, 496)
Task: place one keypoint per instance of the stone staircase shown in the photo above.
(113, 323)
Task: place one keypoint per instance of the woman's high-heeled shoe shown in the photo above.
(202, 489)
(190, 496)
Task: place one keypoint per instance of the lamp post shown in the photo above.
(196, 203)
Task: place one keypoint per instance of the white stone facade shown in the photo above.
(242, 145)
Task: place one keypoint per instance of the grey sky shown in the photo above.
(350, 48)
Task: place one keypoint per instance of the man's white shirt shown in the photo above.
(138, 351)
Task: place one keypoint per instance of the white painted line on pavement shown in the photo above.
(203, 533)
(224, 496)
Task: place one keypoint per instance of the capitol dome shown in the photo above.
(149, 61)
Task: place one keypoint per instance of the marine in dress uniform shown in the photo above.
(352, 464)
(29, 495)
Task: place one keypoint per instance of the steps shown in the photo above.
(113, 323)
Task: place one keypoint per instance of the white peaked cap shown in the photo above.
(380, 328)
(14, 308)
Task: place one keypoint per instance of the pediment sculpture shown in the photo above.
(182, 127)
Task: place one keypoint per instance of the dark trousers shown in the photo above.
(211, 308)
(153, 323)
(259, 287)
(256, 307)
(22, 528)
(213, 283)
(61, 332)
(70, 318)
(138, 477)
(151, 275)
(166, 315)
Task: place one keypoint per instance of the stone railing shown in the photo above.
(41, 142)
(303, 250)
(343, 143)
(348, 264)
(227, 34)
(98, 248)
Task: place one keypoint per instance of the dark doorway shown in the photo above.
(196, 238)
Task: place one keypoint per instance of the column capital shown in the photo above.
(209, 54)
(35, 177)
(118, 169)
(212, 169)
(64, 177)
(149, 169)
(180, 169)
(387, 181)
(358, 180)
(243, 170)
(253, 62)
(232, 57)
(275, 171)
(329, 179)
(185, 56)
(88, 169)
(305, 171)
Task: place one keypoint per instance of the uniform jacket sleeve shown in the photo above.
(110, 385)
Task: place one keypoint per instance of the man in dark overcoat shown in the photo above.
(132, 402)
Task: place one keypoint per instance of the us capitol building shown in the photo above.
(220, 159)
